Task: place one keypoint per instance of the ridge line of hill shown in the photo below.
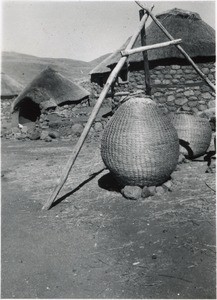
(24, 67)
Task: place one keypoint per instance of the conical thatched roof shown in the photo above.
(51, 85)
(9, 86)
(102, 67)
(198, 39)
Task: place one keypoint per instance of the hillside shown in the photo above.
(98, 60)
(24, 68)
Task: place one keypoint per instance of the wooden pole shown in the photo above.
(150, 47)
(113, 90)
(118, 94)
(95, 110)
(145, 57)
(148, 11)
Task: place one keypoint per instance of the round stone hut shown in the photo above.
(48, 92)
(174, 81)
(10, 88)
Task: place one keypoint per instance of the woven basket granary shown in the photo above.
(194, 132)
(139, 145)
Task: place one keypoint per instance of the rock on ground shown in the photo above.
(160, 190)
(54, 134)
(131, 192)
(34, 135)
(146, 192)
(44, 134)
(77, 129)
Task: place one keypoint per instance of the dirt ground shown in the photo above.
(95, 243)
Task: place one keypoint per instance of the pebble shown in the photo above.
(131, 192)
(98, 126)
(167, 185)
(136, 263)
(160, 190)
(35, 135)
(44, 134)
(54, 134)
(146, 192)
(48, 139)
(91, 131)
(152, 190)
(17, 135)
(24, 129)
(77, 129)
(15, 130)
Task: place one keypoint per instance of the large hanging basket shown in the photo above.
(139, 145)
(194, 132)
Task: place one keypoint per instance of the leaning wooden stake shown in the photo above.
(96, 108)
(150, 47)
(177, 46)
(145, 57)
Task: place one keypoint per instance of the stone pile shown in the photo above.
(95, 89)
(136, 192)
(71, 132)
(66, 123)
(60, 122)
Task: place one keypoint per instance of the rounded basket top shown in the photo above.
(138, 101)
(139, 108)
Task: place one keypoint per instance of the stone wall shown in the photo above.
(176, 86)
(188, 98)
(94, 89)
(63, 122)
(6, 110)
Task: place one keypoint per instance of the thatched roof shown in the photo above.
(51, 85)
(198, 39)
(9, 86)
(102, 67)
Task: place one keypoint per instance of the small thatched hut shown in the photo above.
(48, 90)
(173, 80)
(10, 88)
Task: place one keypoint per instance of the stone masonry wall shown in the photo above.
(6, 110)
(63, 122)
(175, 86)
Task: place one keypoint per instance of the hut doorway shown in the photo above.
(29, 111)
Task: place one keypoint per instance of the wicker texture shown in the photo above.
(194, 130)
(140, 145)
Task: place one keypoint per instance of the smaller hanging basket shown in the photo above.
(194, 134)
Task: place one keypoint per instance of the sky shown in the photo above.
(77, 29)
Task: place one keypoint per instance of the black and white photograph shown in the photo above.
(108, 149)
